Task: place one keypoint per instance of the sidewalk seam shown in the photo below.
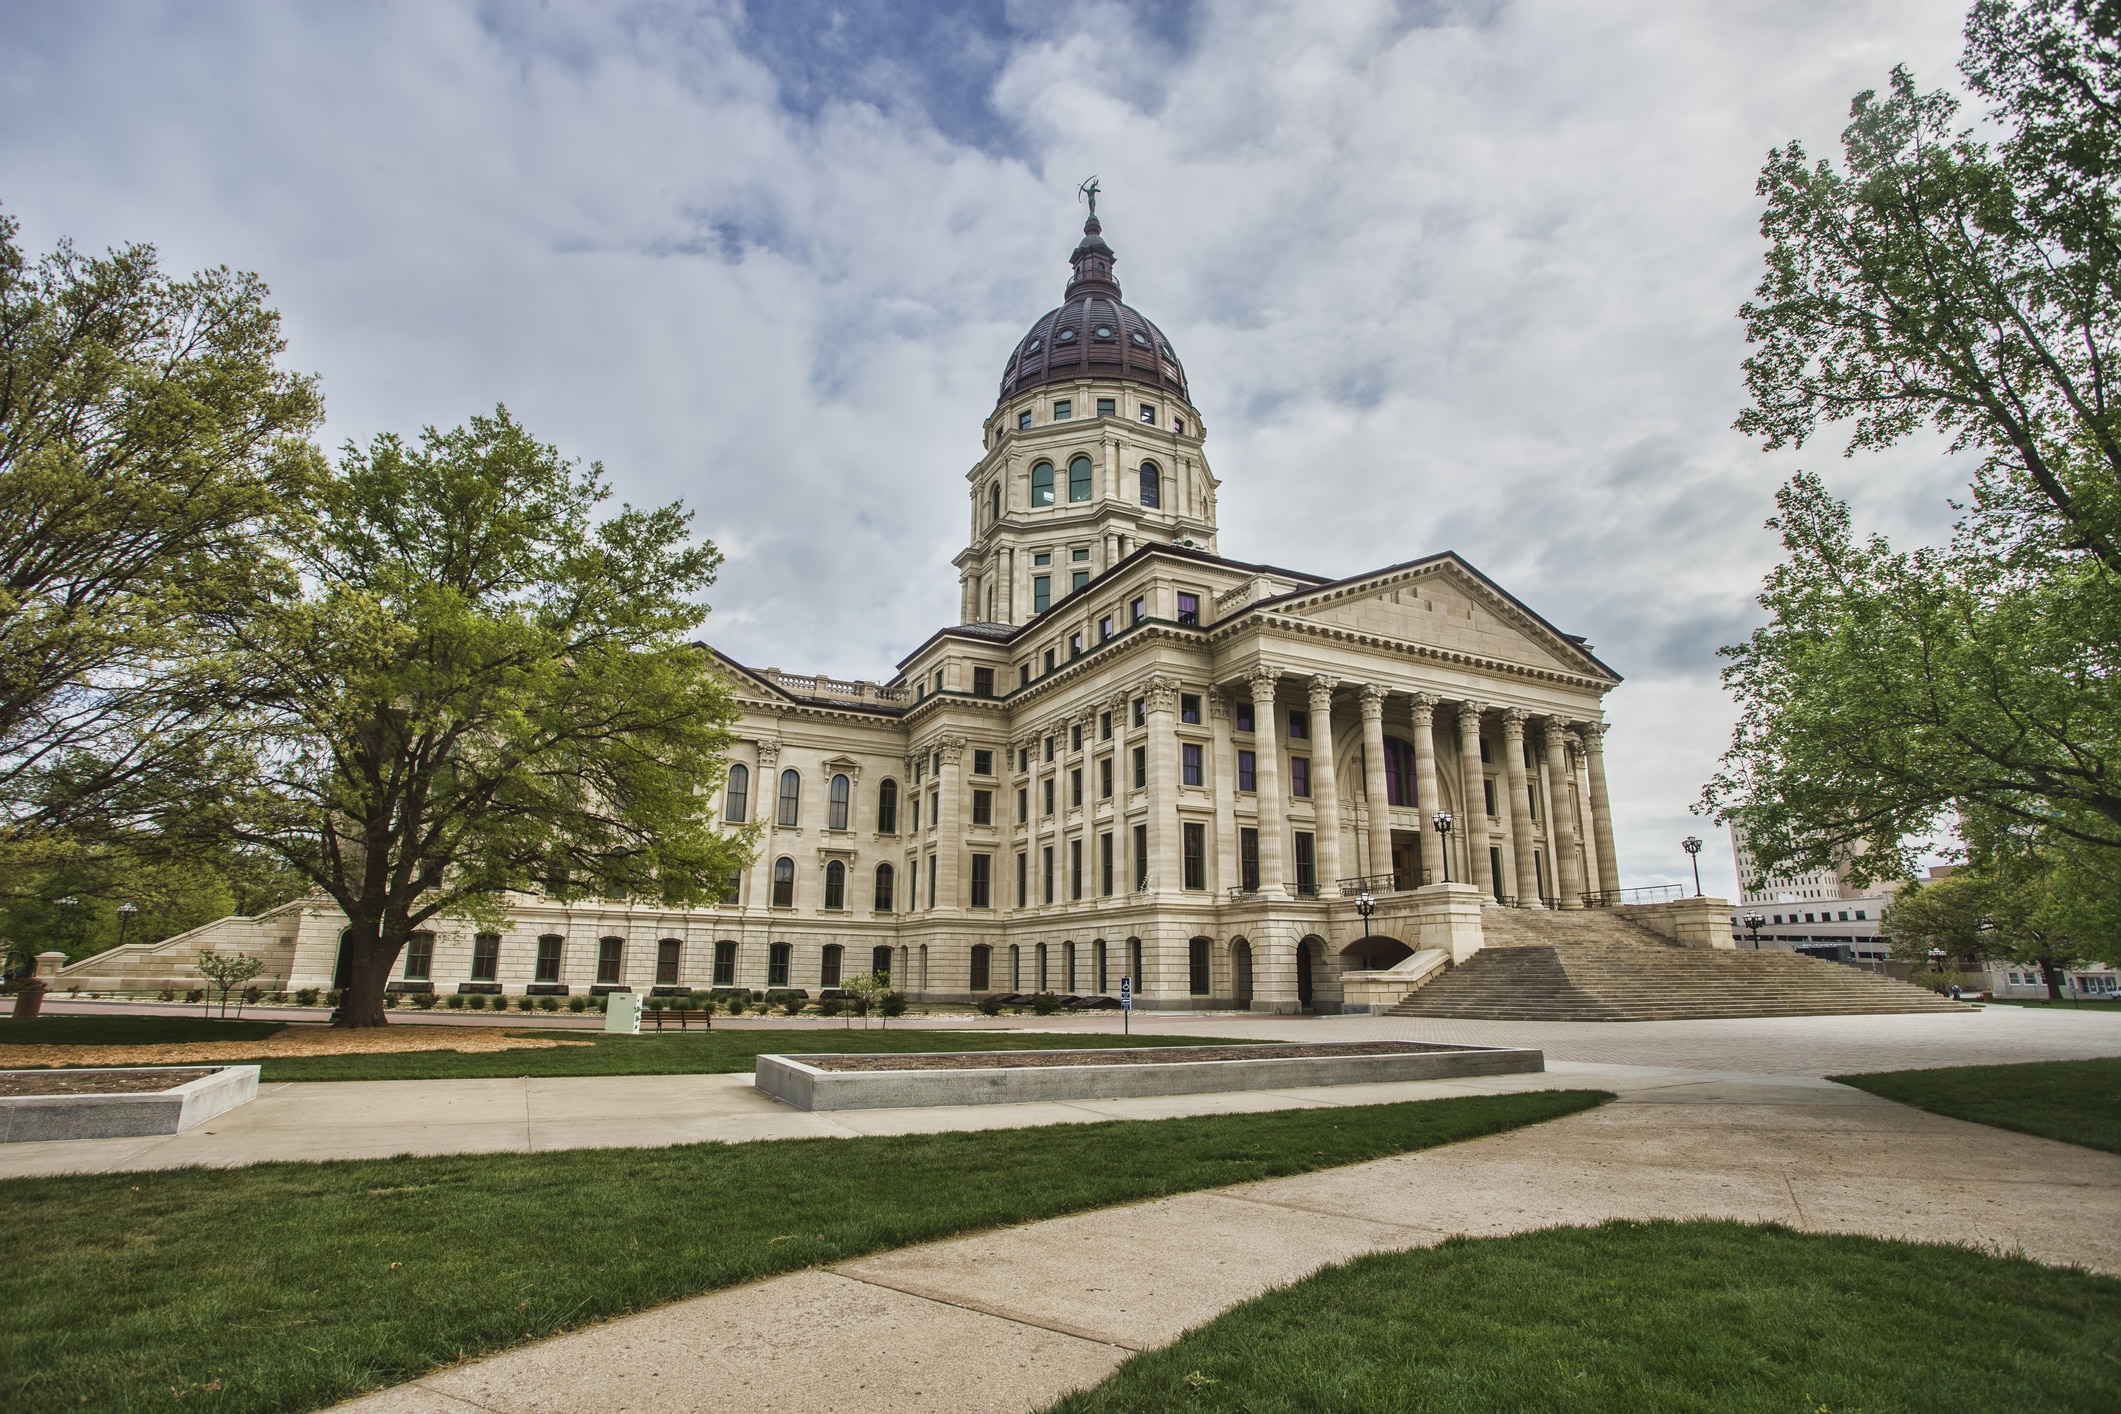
(1012, 1318)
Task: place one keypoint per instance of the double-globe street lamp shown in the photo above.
(1693, 848)
(1443, 830)
(1753, 924)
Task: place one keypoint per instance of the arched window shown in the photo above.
(982, 967)
(883, 888)
(836, 814)
(1068, 971)
(668, 953)
(880, 961)
(791, 798)
(1399, 773)
(736, 801)
(1152, 485)
(784, 882)
(1042, 484)
(835, 885)
(1079, 479)
(1039, 951)
(887, 808)
(994, 503)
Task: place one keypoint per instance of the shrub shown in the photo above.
(392, 999)
(305, 996)
(196, 994)
(169, 994)
(794, 1005)
(334, 997)
(477, 1001)
(425, 1001)
(831, 1006)
(526, 1003)
(990, 1006)
(737, 1002)
(1046, 1003)
(654, 1003)
(456, 1001)
(577, 1004)
(894, 1004)
(548, 1003)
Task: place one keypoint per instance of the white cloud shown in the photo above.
(1467, 282)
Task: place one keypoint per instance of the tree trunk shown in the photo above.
(2053, 976)
(368, 964)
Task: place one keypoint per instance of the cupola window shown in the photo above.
(1079, 479)
(1152, 486)
(1141, 338)
(1108, 407)
(1063, 410)
(1023, 422)
(1065, 336)
(1031, 347)
(1148, 414)
(1102, 331)
(1041, 482)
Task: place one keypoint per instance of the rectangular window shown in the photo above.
(1487, 792)
(1189, 609)
(1075, 643)
(1041, 595)
(725, 963)
(486, 957)
(1079, 555)
(1484, 756)
(1141, 858)
(1189, 709)
(1306, 864)
(1077, 580)
(1859, 918)
(1023, 758)
(1189, 772)
(1149, 414)
(1049, 660)
(548, 969)
(1196, 855)
(1075, 788)
(982, 958)
(1063, 410)
(1104, 629)
(1104, 778)
(983, 881)
(983, 807)
(1299, 776)
(1107, 407)
(983, 682)
(1023, 805)
(1141, 711)
(1023, 422)
(1248, 860)
(1043, 557)
(1104, 726)
(1046, 786)
(1023, 675)
(1138, 610)
(1247, 771)
(1244, 716)
(610, 953)
(1023, 878)
(1049, 747)
(1299, 726)
(419, 957)
(913, 884)
(982, 763)
(932, 872)
(1104, 864)
(913, 809)
(666, 962)
(1075, 869)
(1141, 768)
(1045, 867)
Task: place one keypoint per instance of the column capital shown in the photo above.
(1513, 720)
(953, 750)
(1264, 681)
(1556, 732)
(1162, 694)
(769, 749)
(1373, 702)
(1423, 705)
(1472, 711)
(1593, 734)
(1321, 690)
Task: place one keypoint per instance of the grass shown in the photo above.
(682, 1053)
(289, 1286)
(92, 1030)
(1705, 1317)
(2077, 1102)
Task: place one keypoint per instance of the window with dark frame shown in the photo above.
(835, 884)
(1023, 878)
(983, 682)
(419, 957)
(1196, 855)
(1079, 479)
(982, 963)
(1243, 716)
(725, 963)
(1152, 486)
(791, 811)
(1023, 805)
(736, 796)
(887, 808)
(982, 881)
(881, 901)
(1189, 709)
(548, 962)
(1104, 867)
(1189, 764)
(1306, 864)
(1299, 726)
(777, 957)
(1042, 484)
(1141, 768)
(828, 972)
(1075, 788)
(983, 763)
(1104, 726)
(1197, 967)
(1248, 859)
(610, 954)
(667, 953)
(1247, 771)
(486, 957)
(1136, 612)
(983, 807)
(1141, 857)
(836, 808)
(1300, 776)
(1045, 864)
(1104, 778)
(784, 882)
(1189, 609)
(1075, 869)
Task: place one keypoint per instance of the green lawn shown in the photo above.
(1702, 1317)
(91, 1030)
(289, 1286)
(2078, 1102)
(685, 1052)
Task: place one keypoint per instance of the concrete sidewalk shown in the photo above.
(1011, 1320)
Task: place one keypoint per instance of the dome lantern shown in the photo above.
(1093, 334)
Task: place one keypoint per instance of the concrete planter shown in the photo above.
(28, 1118)
(810, 1087)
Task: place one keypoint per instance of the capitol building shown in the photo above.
(1132, 756)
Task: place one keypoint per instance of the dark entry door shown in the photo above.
(1303, 975)
(1405, 861)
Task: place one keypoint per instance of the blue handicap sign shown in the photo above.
(1126, 993)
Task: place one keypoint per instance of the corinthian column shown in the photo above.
(1325, 785)
(1474, 815)
(1601, 808)
(949, 831)
(1520, 809)
(1373, 779)
(1162, 697)
(1266, 743)
(1568, 874)
(1429, 850)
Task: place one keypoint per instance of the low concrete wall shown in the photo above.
(808, 1088)
(1690, 922)
(29, 1118)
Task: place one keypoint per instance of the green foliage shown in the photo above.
(149, 442)
(2024, 906)
(52, 1029)
(1933, 281)
(477, 687)
(2077, 1102)
(297, 1285)
(1703, 1317)
(172, 891)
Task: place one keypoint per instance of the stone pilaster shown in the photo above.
(1373, 780)
(1431, 849)
(1473, 817)
(950, 829)
(1325, 786)
(1519, 814)
(1601, 806)
(1561, 812)
(1223, 779)
(1273, 876)
(766, 792)
(1162, 705)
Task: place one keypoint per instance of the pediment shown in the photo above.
(1444, 604)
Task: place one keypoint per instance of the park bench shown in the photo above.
(684, 1017)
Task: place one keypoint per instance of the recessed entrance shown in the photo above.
(1241, 972)
(1374, 953)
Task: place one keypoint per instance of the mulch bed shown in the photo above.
(96, 1082)
(294, 1041)
(1159, 1055)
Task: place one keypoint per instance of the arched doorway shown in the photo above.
(1241, 972)
(1303, 977)
(1374, 953)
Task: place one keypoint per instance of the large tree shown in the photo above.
(148, 439)
(1936, 281)
(474, 686)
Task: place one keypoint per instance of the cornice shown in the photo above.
(1341, 634)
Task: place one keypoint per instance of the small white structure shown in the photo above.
(622, 1014)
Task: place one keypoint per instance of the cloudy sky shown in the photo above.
(1444, 276)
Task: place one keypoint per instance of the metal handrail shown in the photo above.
(1648, 893)
(1384, 883)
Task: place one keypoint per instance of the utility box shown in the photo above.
(622, 1013)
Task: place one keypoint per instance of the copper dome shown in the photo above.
(1093, 335)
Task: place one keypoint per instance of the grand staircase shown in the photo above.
(1592, 965)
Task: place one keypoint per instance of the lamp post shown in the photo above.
(1693, 848)
(1443, 831)
(67, 907)
(1752, 925)
(1365, 905)
(125, 916)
